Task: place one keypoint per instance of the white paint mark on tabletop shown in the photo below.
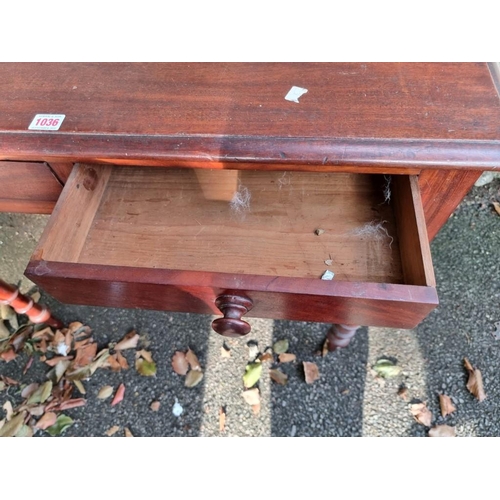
(294, 93)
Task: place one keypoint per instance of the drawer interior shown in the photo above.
(361, 227)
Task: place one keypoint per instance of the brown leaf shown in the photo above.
(36, 411)
(252, 396)
(112, 430)
(8, 410)
(47, 420)
(193, 378)
(442, 431)
(278, 376)
(421, 413)
(120, 393)
(155, 405)
(179, 363)
(45, 333)
(287, 357)
(113, 363)
(128, 434)
(324, 349)
(311, 372)
(122, 361)
(222, 419)
(225, 352)
(105, 392)
(72, 403)
(446, 405)
(496, 206)
(192, 359)
(11, 428)
(475, 382)
(403, 392)
(80, 386)
(85, 355)
(29, 390)
(130, 341)
(9, 381)
(53, 361)
(267, 356)
(8, 355)
(144, 354)
(28, 364)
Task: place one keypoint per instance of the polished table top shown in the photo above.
(395, 115)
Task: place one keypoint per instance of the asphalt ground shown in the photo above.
(347, 400)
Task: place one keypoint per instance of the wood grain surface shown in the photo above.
(374, 114)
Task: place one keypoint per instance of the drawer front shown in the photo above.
(28, 187)
(177, 239)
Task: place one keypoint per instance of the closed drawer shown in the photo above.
(176, 239)
(28, 187)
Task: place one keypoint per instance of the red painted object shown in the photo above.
(37, 313)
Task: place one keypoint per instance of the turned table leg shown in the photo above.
(340, 336)
(25, 305)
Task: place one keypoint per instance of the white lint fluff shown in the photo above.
(241, 201)
(375, 231)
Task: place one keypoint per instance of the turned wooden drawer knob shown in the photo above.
(233, 307)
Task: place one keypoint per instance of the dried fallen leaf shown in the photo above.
(130, 341)
(324, 348)
(112, 430)
(24, 431)
(222, 419)
(280, 346)
(386, 368)
(252, 396)
(29, 390)
(36, 296)
(267, 356)
(8, 355)
(68, 405)
(4, 331)
(287, 357)
(253, 371)
(144, 354)
(48, 419)
(79, 386)
(225, 352)
(145, 368)
(8, 410)
(496, 206)
(475, 382)
(11, 428)
(446, 405)
(179, 363)
(63, 422)
(193, 378)
(256, 409)
(311, 372)
(85, 355)
(319, 232)
(120, 393)
(41, 394)
(155, 405)
(278, 376)
(442, 431)
(122, 361)
(403, 392)
(421, 413)
(193, 360)
(127, 432)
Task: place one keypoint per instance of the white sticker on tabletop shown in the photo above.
(46, 122)
(294, 93)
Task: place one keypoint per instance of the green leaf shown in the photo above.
(63, 423)
(145, 368)
(280, 346)
(41, 394)
(253, 371)
(386, 368)
(24, 431)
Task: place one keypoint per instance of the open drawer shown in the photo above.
(241, 241)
